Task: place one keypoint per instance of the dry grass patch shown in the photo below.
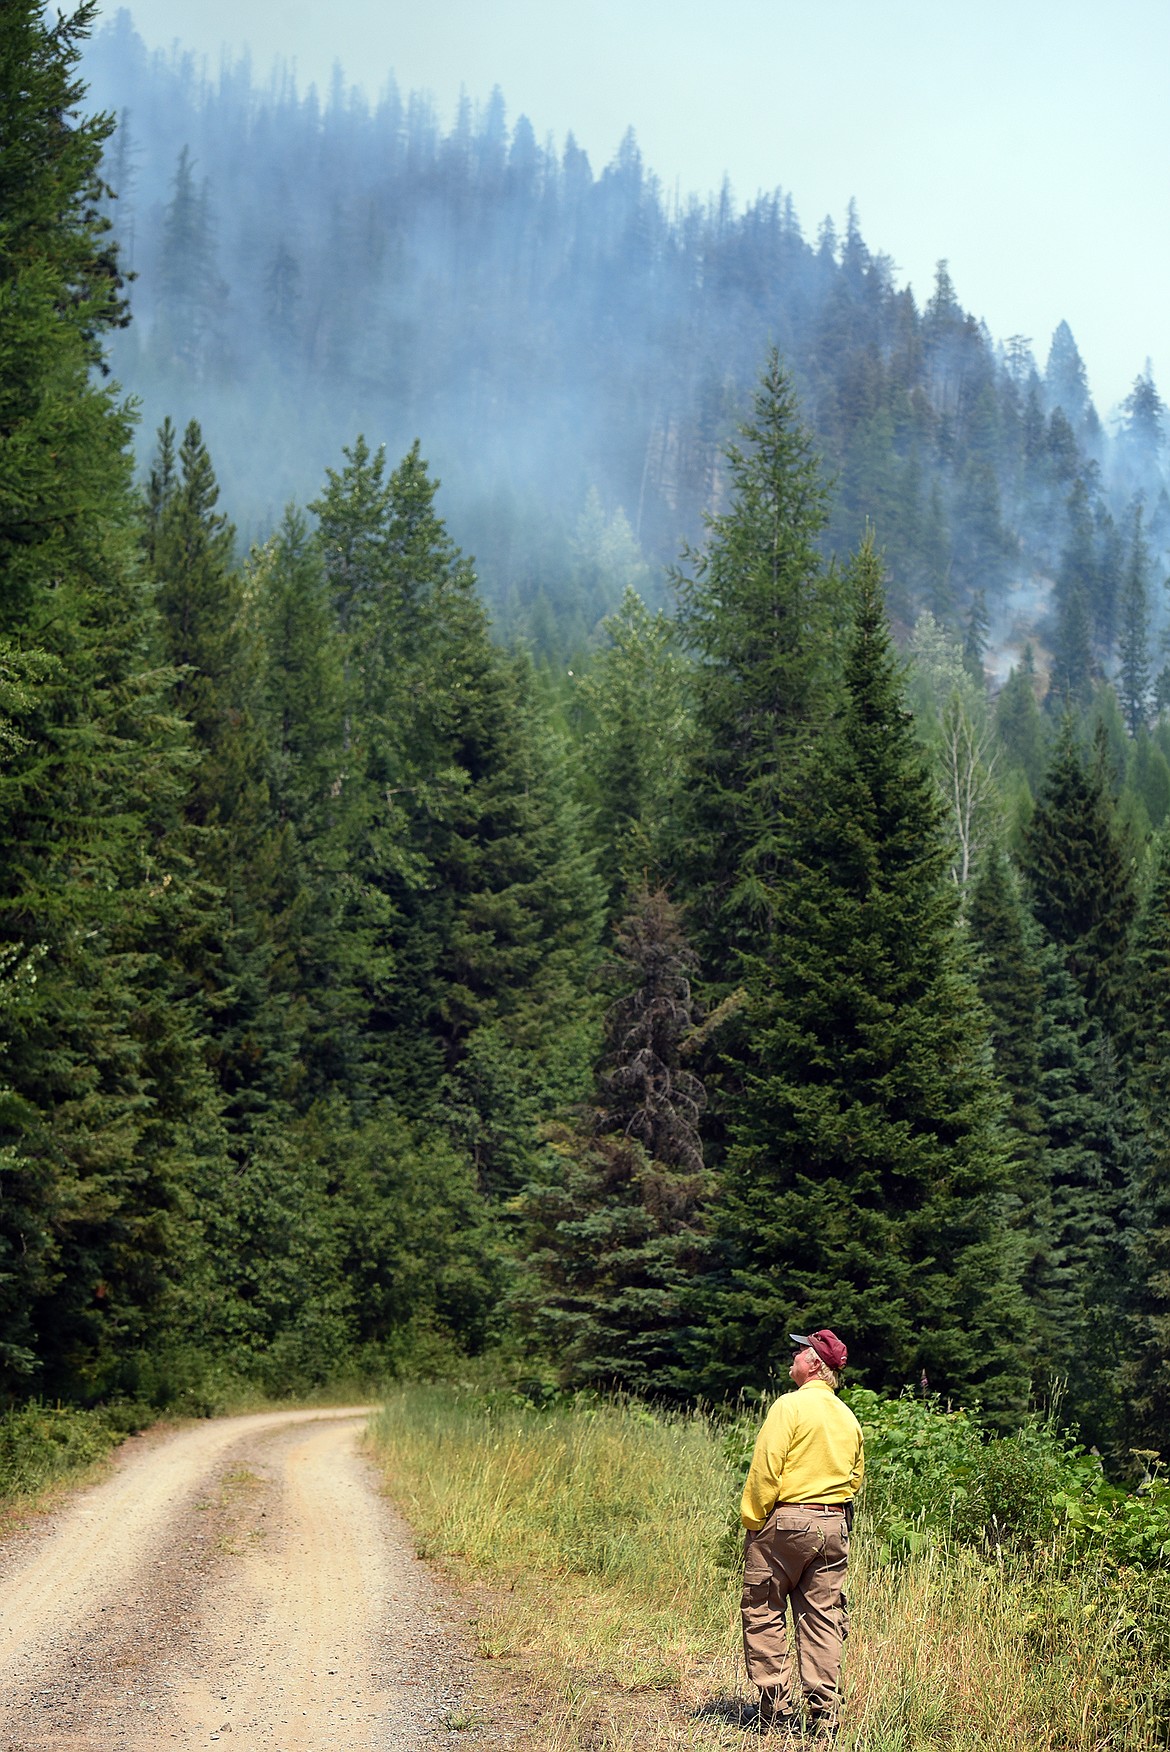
(596, 1538)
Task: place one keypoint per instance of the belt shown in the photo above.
(817, 1508)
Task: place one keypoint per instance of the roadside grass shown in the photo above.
(46, 1448)
(598, 1538)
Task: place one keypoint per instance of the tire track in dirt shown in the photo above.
(245, 1584)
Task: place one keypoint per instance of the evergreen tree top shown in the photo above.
(867, 1154)
(751, 604)
(760, 610)
(50, 185)
(1080, 873)
(879, 781)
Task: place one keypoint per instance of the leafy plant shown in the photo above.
(933, 1473)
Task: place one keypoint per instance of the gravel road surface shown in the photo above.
(241, 1582)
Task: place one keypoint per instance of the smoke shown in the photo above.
(558, 337)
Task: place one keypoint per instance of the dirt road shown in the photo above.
(241, 1582)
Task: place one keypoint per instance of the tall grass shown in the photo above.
(602, 1531)
(623, 1513)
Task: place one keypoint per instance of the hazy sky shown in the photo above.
(1027, 141)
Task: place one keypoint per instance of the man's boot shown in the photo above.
(771, 1715)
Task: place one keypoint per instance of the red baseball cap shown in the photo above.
(827, 1346)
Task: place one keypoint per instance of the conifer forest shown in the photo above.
(738, 896)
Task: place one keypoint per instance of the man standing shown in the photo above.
(806, 1469)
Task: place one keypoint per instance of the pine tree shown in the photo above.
(635, 705)
(1064, 375)
(1109, 566)
(617, 1236)
(1079, 1278)
(869, 1165)
(1080, 877)
(1134, 654)
(517, 1013)
(1070, 682)
(975, 639)
(231, 835)
(191, 291)
(1149, 1369)
(644, 1088)
(328, 927)
(758, 610)
(1076, 1152)
(1147, 778)
(1019, 723)
(469, 836)
(1011, 983)
(937, 558)
(1144, 430)
(99, 1046)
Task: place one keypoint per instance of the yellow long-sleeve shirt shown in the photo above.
(809, 1450)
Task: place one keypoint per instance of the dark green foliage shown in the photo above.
(203, 859)
(866, 1181)
(523, 943)
(975, 639)
(1059, 1008)
(335, 1246)
(467, 833)
(41, 1444)
(1147, 778)
(1019, 722)
(644, 1089)
(758, 609)
(1134, 650)
(327, 926)
(1079, 871)
(1080, 1274)
(938, 1474)
(60, 288)
(99, 1046)
(634, 702)
(614, 1243)
(616, 1228)
(1148, 1369)
(1011, 983)
(1076, 1148)
(189, 549)
(229, 832)
(299, 903)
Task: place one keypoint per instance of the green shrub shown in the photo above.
(933, 1473)
(40, 1444)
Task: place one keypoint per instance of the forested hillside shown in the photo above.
(575, 348)
(373, 998)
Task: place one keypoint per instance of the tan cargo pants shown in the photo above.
(799, 1555)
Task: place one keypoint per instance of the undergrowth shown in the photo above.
(1003, 1593)
(42, 1444)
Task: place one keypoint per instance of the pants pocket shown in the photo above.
(756, 1568)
